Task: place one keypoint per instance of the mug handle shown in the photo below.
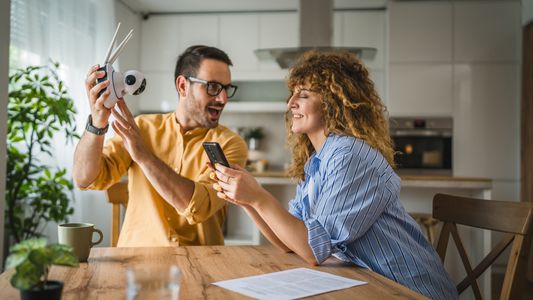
(99, 239)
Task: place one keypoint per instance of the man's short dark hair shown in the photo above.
(189, 61)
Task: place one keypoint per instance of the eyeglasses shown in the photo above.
(214, 88)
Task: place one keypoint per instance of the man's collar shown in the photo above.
(192, 132)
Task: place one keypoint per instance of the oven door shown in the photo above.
(424, 152)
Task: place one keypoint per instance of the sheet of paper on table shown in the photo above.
(289, 284)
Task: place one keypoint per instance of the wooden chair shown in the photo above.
(428, 224)
(117, 195)
(512, 218)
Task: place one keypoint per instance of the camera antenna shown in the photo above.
(120, 47)
(108, 54)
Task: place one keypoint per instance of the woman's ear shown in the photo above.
(181, 86)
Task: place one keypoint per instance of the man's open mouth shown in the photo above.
(214, 111)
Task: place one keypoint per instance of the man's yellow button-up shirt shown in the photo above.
(150, 220)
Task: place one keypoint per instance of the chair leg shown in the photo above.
(115, 224)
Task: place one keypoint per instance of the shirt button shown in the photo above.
(168, 219)
(176, 169)
(173, 238)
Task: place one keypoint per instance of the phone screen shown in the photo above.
(215, 153)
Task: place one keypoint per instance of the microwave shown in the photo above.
(422, 145)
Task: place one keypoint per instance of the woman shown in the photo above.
(347, 199)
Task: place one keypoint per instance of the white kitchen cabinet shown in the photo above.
(486, 123)
(164, 38)
(197, 30)
(420, 68)
(159, 43)
(420, 31)
(337, 29)
(420, 90)
(277, 30)
(378, 77)
(487, 31)
(241, 229)
(365, 29)
(240, 34)
(239, 38)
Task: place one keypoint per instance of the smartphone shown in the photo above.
(215, 153)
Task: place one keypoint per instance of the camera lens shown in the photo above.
(130, 80)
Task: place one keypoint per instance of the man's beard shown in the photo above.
(200, 114)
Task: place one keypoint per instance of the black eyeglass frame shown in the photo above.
(219, 86)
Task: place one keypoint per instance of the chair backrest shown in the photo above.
(117, 195)
(512, 218)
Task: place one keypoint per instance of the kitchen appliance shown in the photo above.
(423, 145)
(316, 32)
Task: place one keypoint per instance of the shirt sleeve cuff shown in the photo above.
(199, 194)
(97, 184)
(295, 209)
(319, 240)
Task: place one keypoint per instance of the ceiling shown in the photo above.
(169, 6)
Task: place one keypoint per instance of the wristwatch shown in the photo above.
(95, 130)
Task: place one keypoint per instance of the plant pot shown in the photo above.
(51, 291)
(253, 143)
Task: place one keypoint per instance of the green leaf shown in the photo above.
(32, 259)
(41, 259)
(15, 258)
(64, 256)
(29, 245)
(39, 109)
(26, 276)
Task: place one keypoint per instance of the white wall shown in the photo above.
(4, 67)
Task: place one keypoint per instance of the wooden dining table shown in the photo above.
(103, 276)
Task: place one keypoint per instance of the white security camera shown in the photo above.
(131, 83)
(134, 82)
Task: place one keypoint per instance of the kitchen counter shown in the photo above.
(421, 181)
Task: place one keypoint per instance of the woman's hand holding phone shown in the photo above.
(236, 185)
(233, 183)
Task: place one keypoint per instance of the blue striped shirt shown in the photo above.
(350, 204)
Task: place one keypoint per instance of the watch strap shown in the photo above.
(95, 130)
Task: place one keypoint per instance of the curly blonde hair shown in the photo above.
(350, 105)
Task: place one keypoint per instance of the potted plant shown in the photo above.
(253, 136)
(32, 260)
(38, 109)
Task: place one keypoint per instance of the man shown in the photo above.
(171, 201)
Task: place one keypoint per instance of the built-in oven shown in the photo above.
(423, 145)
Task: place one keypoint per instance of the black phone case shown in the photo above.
(215, 153)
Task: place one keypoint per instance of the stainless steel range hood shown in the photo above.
(316, 32)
